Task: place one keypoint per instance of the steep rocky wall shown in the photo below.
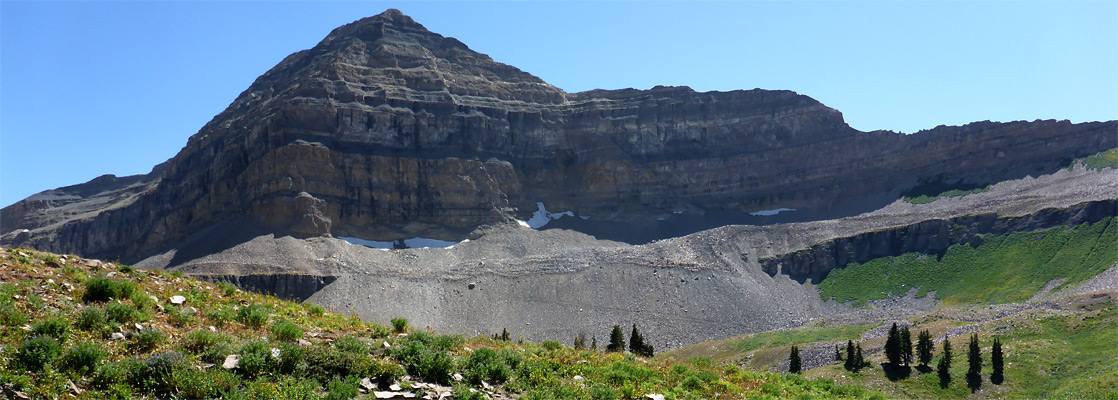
(931, 236)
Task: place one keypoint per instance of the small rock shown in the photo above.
(395, 387)
(231, 361)
(386, 345)
(578, 377)
(213, 328)
(304, 342)
(116, 336)
(471, 285)
(139, 327)
(485, 385)
(394, 395)
(654, 396)
(456, 377)
(153, 298)
(275, 353)
(367, 384)
(177, 300)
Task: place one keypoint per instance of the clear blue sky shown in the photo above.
(93, 88)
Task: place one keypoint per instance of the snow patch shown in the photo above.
(541, 217)
(413, 243)
(769, 213)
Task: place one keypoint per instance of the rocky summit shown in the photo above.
(385, 132)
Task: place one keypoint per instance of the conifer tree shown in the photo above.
(616, 340)
(974, 356)
(505, 335)
(906, 346)
(794, 365)
(849, 364)
(580, 340)
(997, 362)
(594, 343)
(636, 341)
(838, 353)
(893, 346)
(924, 347)
(944, 366)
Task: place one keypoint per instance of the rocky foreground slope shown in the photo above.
(385, 131)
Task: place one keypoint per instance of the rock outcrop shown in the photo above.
(386, 131)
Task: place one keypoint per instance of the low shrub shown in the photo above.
(55, 327)
(286, 331)
(219, 317)
(253, 316)
(37, 352)
(105, 289)
(126, 269)
(287, 388)
(122, 313)
(92, 319)
(157, 373)
(351, 344)
(463, 392)
(256, 359)
(314, 310)
(111, 374)
(227, 288)
(551, 345)
(200, 342)
(485, 365)
(419, 360)
(82, 358)
(190, 383)
(179, 318)
(292, 360)
(400, 325)
(146, 340)
(342, 389)
(11, 316)
(142, 300)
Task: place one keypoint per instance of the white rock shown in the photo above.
(117, 336)
(304, 342)
(176, 300)
(654, 396)
(578, 377)
(386, 345)
(395, 387)
(231, 361)
(275, 353)
(367, 384)
(456, 377)
(394, 395)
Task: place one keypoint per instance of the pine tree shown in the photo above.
(944, 366)
(636, 341)
(616, 340)
(906, 346)
(849, 364)
(924, 347)
(794, 366)
(838, 353)
(594, 343)
(893, 346)
(974, 357)
(997, 362)
(505, 335)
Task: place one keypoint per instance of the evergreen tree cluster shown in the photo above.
(636, 342)
(854, 360)
(898, 346)
(795, 365)
(924, 347)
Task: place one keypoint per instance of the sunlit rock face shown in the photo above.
(386, 131)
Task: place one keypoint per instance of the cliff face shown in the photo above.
(385, 130)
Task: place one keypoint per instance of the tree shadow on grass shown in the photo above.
(944, 379)
(974, 382)
(924, 369)
(997, 379)
(896, 372)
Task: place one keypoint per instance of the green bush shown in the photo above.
(126, 269)
(179, 318)
(204, 343)
(211, 383)
(111, 374)
(157, 373)
(400, 325)
(82, 358)
(142, 300)
(227, 288)
(326, 363)
(37, 352)
(256, 359)
(419, 360)
(105, 289)
(11, 316)
(314, 310)
(146, 340)
(219, 317)
(339, 389)
(286, 331)
(438, 342)
(351, 344)
(92, 319)
(463, 392)
(292, 359)
(551, 345)
(55, 327)
(287, 388)
(122, 313)
(485, 365)
(253, 316)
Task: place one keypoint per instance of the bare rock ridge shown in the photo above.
(385, 130)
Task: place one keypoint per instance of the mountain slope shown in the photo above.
(387, 131)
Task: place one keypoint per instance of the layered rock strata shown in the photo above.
(386, 131)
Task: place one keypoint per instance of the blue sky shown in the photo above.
(116, 87)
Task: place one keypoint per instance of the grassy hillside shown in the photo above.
(1068, 353)
(78, 328)
(1003, 269)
